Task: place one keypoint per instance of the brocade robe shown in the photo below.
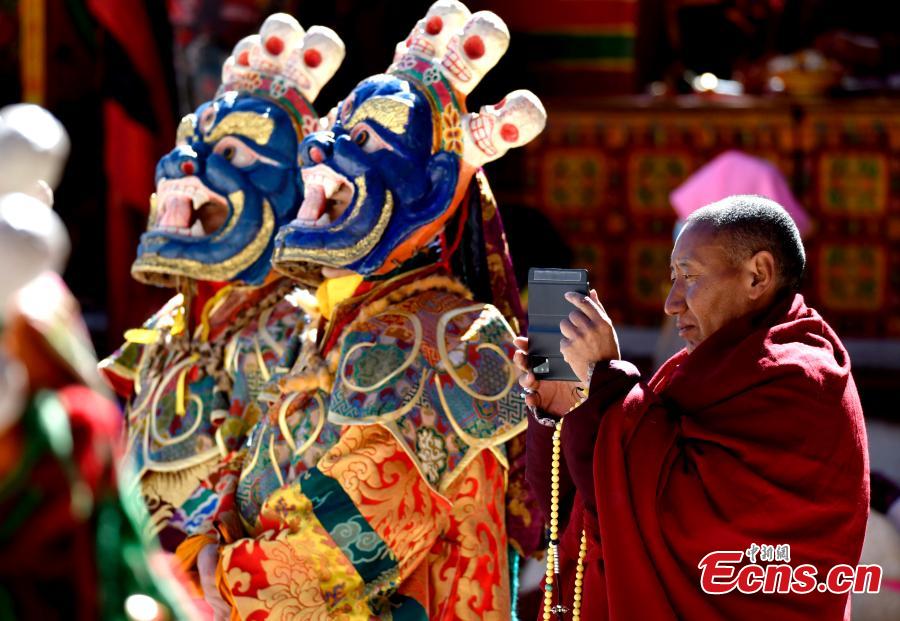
(192, 398)
(375, 485)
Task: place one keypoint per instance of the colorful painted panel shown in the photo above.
(841, 159)
(574, 179)
(652, 175)
(852, 276)
(853, 184)
(629, 159)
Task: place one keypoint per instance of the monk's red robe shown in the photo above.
(756, 437)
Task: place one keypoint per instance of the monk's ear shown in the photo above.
(763, 274)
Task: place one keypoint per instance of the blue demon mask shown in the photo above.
(222, 193)
(373, 180)
(233, 178)
(381, 185)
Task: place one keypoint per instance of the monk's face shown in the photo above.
(708, 289)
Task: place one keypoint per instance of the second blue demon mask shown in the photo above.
(382, 184)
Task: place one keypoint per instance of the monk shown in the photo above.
(751, 436)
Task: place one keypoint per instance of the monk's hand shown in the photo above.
(207, 561)
(549, 396)
(588, 335)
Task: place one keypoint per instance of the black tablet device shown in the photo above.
(547, 307)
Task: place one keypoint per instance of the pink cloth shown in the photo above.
(734, 172)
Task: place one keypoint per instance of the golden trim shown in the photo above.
(500, 456)
(262, 329)
(220, 443)
(199, 403)
(387, 416)
(225, 270)
(237, 210)
(509, 365)
(417, 345)
(273, 460)
(231, 355)
(256, 127)
(361, 194)
(320, 425)
(445, 357)
(180, 408)
(154, 403)
(261, 361)
(390, 113)
(341, 256)
(246, 469)
(282, 421)
(472, 441)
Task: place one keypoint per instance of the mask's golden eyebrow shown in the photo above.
(390, 113)
(250, 125)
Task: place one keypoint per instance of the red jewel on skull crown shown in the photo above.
(244, 58)
(434, 25)
(316, 155)
(509, 132)
(274, 45)
(474, 47)
(312, 58)
(187, 168)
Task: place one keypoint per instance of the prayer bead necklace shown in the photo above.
(553, 550)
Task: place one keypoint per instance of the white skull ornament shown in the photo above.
(472, 53)
(305, 60)
(431, 34)
(493, 130)
(316, 60)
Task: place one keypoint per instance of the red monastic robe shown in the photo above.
(757, 437)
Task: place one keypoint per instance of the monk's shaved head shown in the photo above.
(751, 224)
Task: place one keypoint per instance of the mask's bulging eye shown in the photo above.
(207, 119)
(236, 152)
(368, 139)
(361, 138)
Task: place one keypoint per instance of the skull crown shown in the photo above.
(450, 50)
(285, 59)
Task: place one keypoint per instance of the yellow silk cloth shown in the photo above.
(333, 291)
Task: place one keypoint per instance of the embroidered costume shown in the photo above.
(376, 483)
(192, 374)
